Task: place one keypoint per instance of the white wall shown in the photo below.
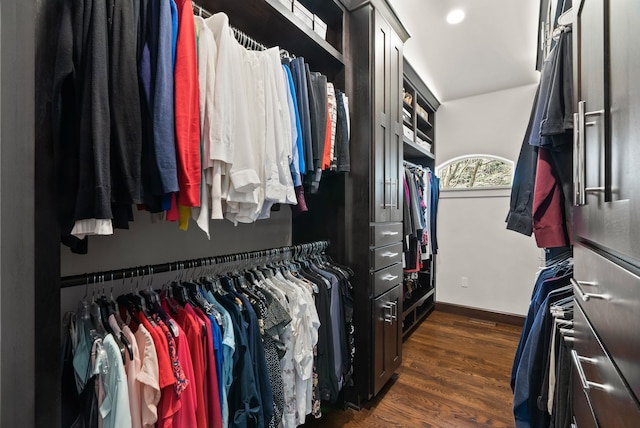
(146, 243)
(472, 237)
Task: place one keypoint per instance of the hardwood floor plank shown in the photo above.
(455, 374)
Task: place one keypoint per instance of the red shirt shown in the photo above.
(193, 328)
(326, 156)
(169, 404)
(186, 416)
(549, 226)
(187, 108)
(213, 394)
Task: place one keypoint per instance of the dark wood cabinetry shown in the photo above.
(387, 149)
(388, 336)
(606, 220)
(366, 226)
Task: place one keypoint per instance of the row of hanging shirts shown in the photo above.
(259, 346)
(421, 196)
(157, 108)
(540, 376)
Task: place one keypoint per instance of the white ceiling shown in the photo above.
(494, 48)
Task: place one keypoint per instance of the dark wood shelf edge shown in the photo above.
(417, 321)
(426, 122)
(284, 11)
(415, 151)
(424, 136)
(417, 303)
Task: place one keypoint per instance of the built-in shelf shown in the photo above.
(422, 302)
(413, 150)
(274, 24)
(424, 121)
(411, 304)
(424, 136)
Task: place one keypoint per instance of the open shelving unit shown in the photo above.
(261, 18)
(419, 108)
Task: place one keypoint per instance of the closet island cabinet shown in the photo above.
(374, 191)
(360, 213)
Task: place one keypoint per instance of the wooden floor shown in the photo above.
(455, 374)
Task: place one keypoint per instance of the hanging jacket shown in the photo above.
(520, 217)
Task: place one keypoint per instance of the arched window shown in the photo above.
(475, 172)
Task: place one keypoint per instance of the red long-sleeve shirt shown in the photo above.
(187, 108)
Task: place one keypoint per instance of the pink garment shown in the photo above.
(186, 416)
(132, 368)
(149, 378)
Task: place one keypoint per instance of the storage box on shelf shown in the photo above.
(290, 25)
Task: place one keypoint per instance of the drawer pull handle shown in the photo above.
(389, 254)
(577, 285)
(390, 233)
(586, 384)
(390, 277)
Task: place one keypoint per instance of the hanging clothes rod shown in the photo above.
(282, 253)
(241, 37)
(413, 165)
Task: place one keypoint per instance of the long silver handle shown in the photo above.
(397, 195)
(593, 189)
(586, 384)
(581, 196)
(577, 285)
(580, 125)
(577, 171)
(394, 310)
(389, 254)
(390, 233)
(387, 195)
(388, 316)
(390, 277)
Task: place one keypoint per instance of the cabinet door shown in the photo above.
(382, 87)
(608, 184)
(394, 153)
(387, 336)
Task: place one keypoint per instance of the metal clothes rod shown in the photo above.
(282, 253)
(413, 165)
(244, 39)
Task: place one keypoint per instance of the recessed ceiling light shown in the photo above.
(456, 16)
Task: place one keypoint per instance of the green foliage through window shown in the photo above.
(476, 171)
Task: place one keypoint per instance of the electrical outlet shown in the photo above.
(464, 281)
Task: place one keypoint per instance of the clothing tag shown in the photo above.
(174, 328)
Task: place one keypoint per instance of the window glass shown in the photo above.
(475, 172)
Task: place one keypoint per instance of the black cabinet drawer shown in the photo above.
(387, 278)
(613, 403)
(608, 294)
(387, 255)
(386, 233)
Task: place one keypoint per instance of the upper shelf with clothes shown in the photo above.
(274, 23)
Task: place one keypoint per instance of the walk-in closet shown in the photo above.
(319, 213)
